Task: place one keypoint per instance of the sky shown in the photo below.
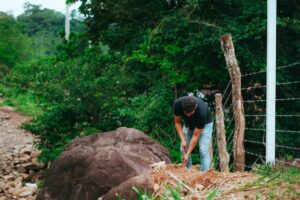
(15, 7)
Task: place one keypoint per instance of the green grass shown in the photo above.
(285, 174)
(275, 181)
(23, 103)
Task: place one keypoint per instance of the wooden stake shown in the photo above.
(221, 137)
(237, 102)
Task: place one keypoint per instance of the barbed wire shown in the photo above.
(228, 126)
(296, 115)
(258, 87)
(254, 154)
(228, 111)
(264, 100)
(276, 145)
(278, 68)
(252, 115)
(227, 98)
(227, 87)
(282, 131)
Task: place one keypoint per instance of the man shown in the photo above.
(196, 115)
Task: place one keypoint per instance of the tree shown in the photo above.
(13, 43)
(44, 27)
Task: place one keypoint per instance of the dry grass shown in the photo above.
(217, 185)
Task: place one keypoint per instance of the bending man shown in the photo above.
(197, 118)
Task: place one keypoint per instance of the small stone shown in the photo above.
(8, 178)
(16, 161)
(25, 158)
(26, 193)
(24, 176)
(31, 166)
(12, 184)
(34, 154)
(21, 169)
(11, 190)
(199, 187)
(15, 174)
(156, 187)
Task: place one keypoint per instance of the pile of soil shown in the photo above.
(193, 184)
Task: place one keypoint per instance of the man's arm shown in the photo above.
(179, 131)
(194, 140)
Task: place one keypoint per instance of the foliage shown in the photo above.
(286, 174)
(25, 103)
(44, 27)
(13, 43)
(142, 56)
(213, 194)
(171, 194)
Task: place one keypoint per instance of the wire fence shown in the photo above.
(255, 131)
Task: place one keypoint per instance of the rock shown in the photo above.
(25, 191)
(31, 185)
(21, 169)
(25, 158)
(16, 162)
(3, 186)
(101, 165)
(12, 184)
(8, 178)
(35, 177)
(124, 190)
(156, 187)
(31, 166)
(11, 190)
(24, 176)
(34, 154)
(26, 151)
(26, 194)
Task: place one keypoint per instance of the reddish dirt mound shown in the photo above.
(190, 177)
(194, 184)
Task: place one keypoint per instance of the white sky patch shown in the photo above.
(15, 7)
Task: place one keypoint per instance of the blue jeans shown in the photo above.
(204, 142)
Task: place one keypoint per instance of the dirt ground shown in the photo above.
(191, 184)
(220, 185)
(14, 144)
(12, 137)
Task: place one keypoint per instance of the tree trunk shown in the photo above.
(221, 137)
(237, 102)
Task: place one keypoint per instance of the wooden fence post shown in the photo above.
(221, 137)
(237, 102)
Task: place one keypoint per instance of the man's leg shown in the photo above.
(204, 142)
(188, 133)
(188, 140)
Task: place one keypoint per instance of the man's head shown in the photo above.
(189, 105)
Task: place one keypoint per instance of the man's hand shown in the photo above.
(185, 159)
(183, 146)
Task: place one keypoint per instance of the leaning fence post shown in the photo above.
(221, 138)
(237, 102)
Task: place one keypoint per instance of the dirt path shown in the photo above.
(16, 153)
(12, 137)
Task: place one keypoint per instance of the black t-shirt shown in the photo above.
(199, 119)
